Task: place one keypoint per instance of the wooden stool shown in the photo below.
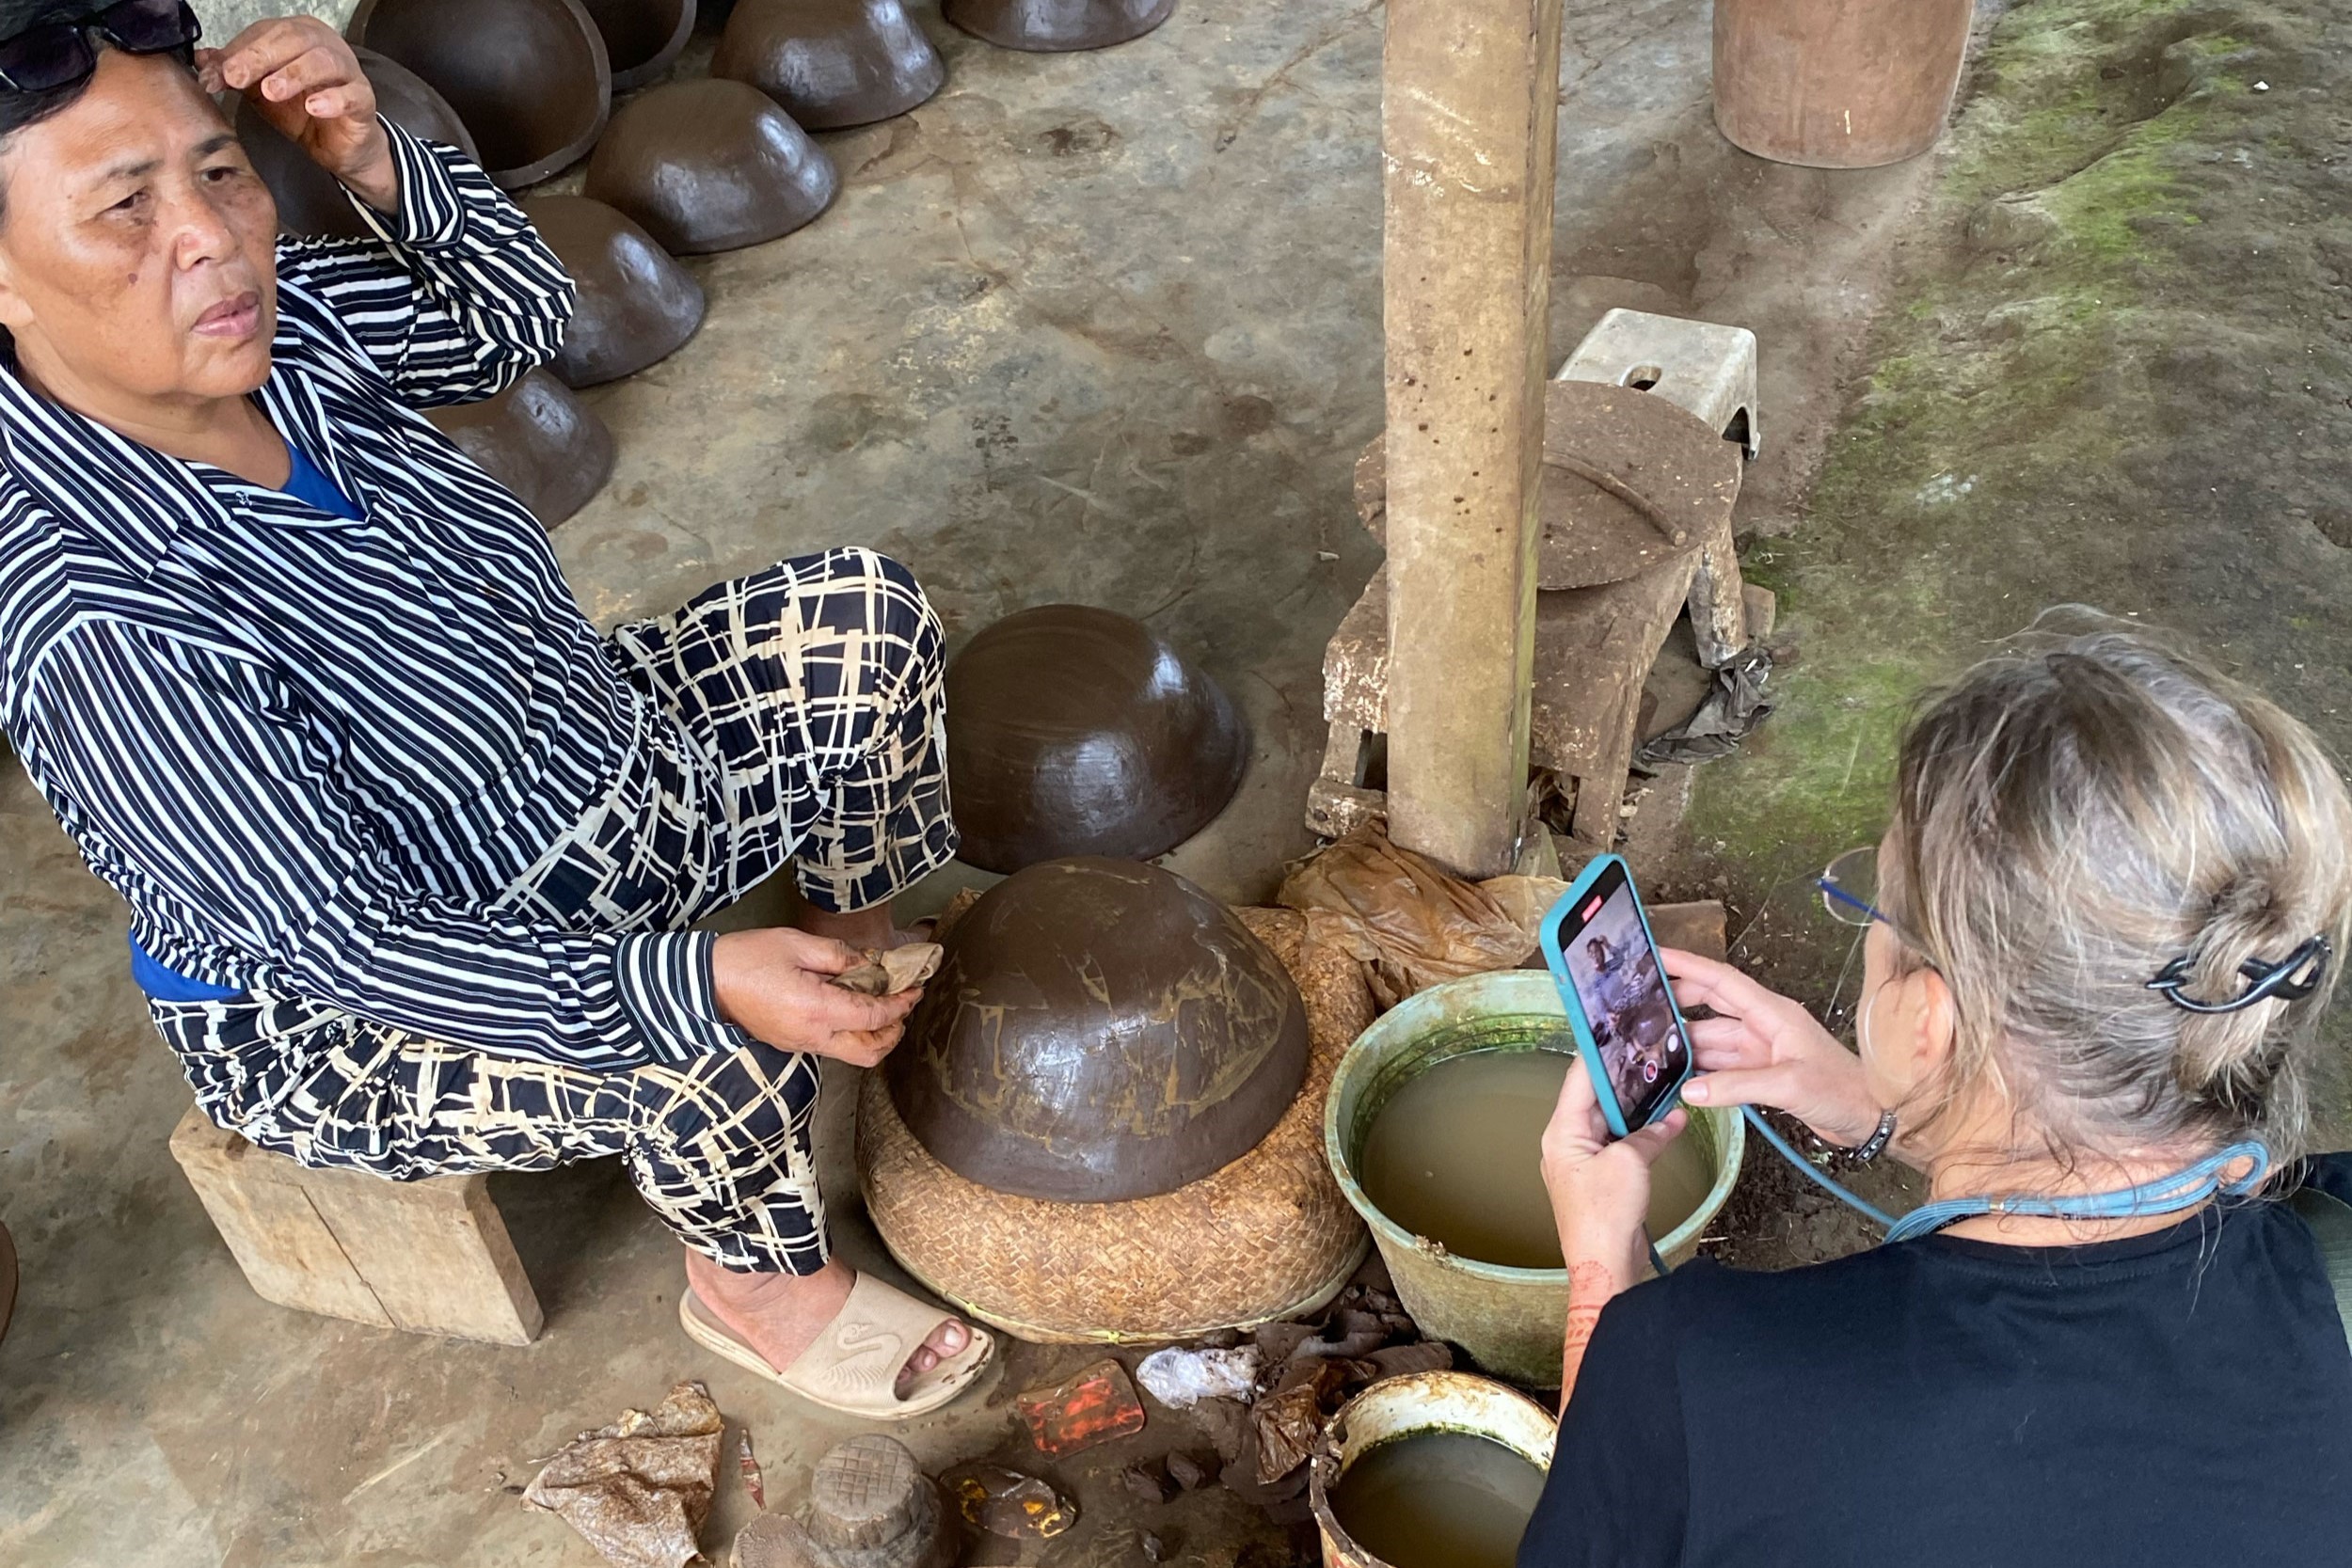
(431, 1256)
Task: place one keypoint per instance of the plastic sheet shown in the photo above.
(639, 1490)
(1180, 1378)
(1410, 922)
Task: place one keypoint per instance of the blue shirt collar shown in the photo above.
(141, 500)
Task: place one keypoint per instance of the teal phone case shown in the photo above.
(1587, 1048)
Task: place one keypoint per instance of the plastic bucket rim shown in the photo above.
(1730, 1153)
(1324, 1471)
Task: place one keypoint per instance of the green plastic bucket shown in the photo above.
(1512, 1322)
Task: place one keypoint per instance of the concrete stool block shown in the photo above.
(430, 1256)
(1700, 366)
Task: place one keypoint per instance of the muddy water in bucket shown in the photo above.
(1509, 1319)
(1429, 1470)
(1439, 1499)
(1455, 1155)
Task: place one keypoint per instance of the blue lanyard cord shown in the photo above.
(2165, 1194)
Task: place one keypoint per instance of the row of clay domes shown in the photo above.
(1078, 731)
(691, 166)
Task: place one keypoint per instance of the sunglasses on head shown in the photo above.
(59, 54)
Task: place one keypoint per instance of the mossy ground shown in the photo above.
(2116, 372)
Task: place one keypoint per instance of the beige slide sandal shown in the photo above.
(854, 1364)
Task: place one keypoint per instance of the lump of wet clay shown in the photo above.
(1099, 1031)
(886, 972)
(536, 440)
(1055, 25)
(641, 36)
(831, 63)
(1078, 731)
(710, 165)
(310, 199)
(637, 304)
(529, 77)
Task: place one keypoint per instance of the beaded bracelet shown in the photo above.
(1872, 1146)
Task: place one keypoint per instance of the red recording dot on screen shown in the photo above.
(1590, 910)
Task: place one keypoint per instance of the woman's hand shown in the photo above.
(304, 79)
(1600, 1189)
(1599, 1200)
(1763, 1049)
(775, 983)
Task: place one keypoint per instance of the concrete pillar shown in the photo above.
(1470, 91)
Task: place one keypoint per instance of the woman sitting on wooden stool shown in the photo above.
(2100, 934)
(411, 852)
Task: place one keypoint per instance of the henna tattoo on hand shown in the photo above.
(1591, 1287)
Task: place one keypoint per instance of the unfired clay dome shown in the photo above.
(538, 440)
(641, 36)
(1099, 1031)
(710, 165)
(637, 304)
(1054, 25)
(831, 63)
(310, 199)
(529, 77)
(1078, 731)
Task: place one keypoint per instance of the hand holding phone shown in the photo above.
(1600, 1184)
(1760, 1048)
(1599, 1187)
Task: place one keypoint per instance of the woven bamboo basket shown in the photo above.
(1265, 1238)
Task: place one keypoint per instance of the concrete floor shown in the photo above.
(1106, 329)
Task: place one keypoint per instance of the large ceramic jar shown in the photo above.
(1837, 83)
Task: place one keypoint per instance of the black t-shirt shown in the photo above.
(2179, 1398)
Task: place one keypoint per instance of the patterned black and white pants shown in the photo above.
(814, 689)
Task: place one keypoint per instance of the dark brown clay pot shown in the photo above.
(831, 63)
(637, 304)
(529, 77)
(1837, 83)
(710, 165)
(1052, 27)
(641, 36)
(1078, 731)
(538, 440)
(1099, 1031)
(310, 199)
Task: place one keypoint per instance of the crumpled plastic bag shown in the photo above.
(1407, 920)
(1525, 901)
(1735, 704)
(639, 1490)
(1180, 1378)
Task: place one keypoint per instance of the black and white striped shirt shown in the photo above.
(312, 752)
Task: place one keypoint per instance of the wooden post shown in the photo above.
(1469, 94)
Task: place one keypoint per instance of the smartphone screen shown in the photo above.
(1617, 978)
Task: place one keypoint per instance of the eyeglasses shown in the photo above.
(1850, 888)
(59, 54)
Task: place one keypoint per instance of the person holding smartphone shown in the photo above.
(2100, 931)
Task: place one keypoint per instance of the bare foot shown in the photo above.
(859, 929)
(780, 1315)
